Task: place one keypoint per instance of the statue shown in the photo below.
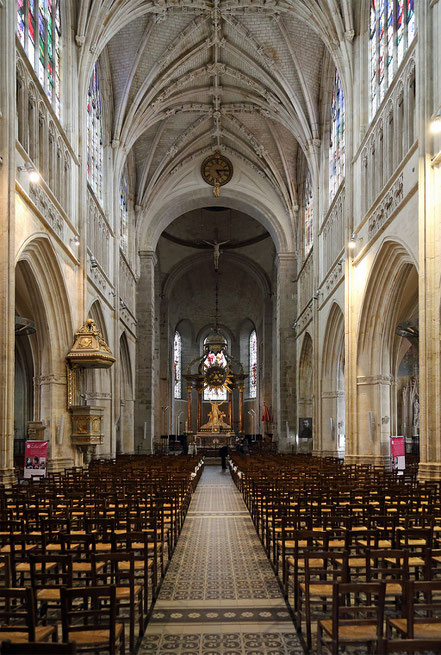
(216, 252)
(215, 416)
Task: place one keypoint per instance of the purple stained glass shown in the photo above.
(253, 364)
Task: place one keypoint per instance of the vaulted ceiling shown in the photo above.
(244, 77)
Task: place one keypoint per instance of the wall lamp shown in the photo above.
(34, 175)
(75, 241)
(435, 122)
(353, 242)
(93, 262)
(122, 304)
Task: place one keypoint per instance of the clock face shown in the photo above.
(217, 169)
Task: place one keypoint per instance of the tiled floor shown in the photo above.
(220, 595)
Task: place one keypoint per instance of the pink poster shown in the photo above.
(35, 458)
(397, 454)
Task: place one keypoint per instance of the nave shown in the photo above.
(220, 594)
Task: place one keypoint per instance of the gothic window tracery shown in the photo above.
(337, 138)
(177, 365)
(95, 148)
(391, 31)
(308, 214)
(253, 364)
(39, 32)
(217, 359)
(124, 213)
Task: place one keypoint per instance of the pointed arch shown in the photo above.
(332, 434)
(383, 307)
(125, 433)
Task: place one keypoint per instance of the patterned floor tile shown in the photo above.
(220, 595)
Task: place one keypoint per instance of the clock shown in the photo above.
(217, 170)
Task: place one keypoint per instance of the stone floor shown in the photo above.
(220, 595)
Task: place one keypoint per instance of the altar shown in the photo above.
(215, 433)
(214, 439)
(216, 370)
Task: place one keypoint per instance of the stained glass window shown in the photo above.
(95, 149)
(337, 138)
(308, 214)
(218, 359)
(253, 364)
(39, 32)
(177, 364)
(391, 31)
(124, 214)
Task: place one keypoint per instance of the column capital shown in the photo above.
(288, 257)
(148, 255)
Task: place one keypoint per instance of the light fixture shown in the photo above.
(435, 122)
(93, 262)
(75, 241)
(353, 242)
(34, 175)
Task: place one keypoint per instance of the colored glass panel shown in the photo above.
(337, 138)
(308, 213)
(35, 29)
(124, 214)
(95, 150)
(400, 31)
(177, 365)
(253, 364)
(391, 30)
(220, 360)
(21, 21)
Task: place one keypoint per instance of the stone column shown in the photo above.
(145, 390)
(429, 198)
(199, 409)
(285, 365)
(230, 408)
(7, 233)
(241, 390)
(189, 408)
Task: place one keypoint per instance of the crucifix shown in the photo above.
(216, 252)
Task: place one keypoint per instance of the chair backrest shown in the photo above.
(17, 609)
(387, 564)
(113, 572)
(97, 611)
(324, 567)
(422, 602)
(38, 648)
(358, 602)
(45, 575)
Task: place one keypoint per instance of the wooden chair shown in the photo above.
(322, 570)
(92, 623)
(17, 617)
(422, 613)
(48, 574)
(118, 569)
(390, 566)
(357, 616)
(35, 648)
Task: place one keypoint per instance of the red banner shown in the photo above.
(35, 458)
(397, 454)
(266, 416)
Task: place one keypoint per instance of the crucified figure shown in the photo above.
(216, 253)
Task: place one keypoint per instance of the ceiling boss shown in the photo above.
(216, 170)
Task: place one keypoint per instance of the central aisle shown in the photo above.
(220, 594)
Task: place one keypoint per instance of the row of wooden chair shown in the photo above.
(324, 524)
(87, 563)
